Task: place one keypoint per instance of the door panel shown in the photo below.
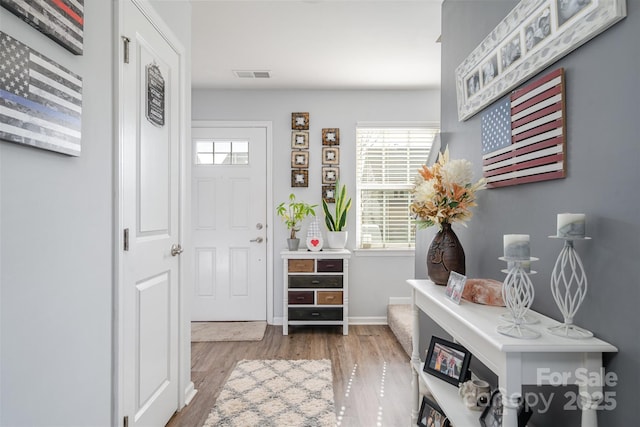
(150, 211)
(229, 224)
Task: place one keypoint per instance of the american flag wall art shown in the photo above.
(61, 20)
(523, 136)
(40, 101)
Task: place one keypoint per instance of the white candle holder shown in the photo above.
(569, 287)
(518, 293)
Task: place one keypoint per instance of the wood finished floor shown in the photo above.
(371, 373)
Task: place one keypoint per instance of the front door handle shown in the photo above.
(176, 250)
(257, 240)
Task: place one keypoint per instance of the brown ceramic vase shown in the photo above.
(445, 255)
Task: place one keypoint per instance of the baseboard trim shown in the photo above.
(190, 393)
(368, 320)
(399, 300)
(277, 321)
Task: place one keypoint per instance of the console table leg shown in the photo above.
(415, 359)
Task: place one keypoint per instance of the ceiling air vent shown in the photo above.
(252, 74)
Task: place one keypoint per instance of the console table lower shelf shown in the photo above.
(515, 361)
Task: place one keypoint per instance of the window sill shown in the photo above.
(404, 252)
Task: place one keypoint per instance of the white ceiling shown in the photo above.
(316, 44)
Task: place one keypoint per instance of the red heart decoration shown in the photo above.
(315, 242)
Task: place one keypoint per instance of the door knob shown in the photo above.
(176, 250)
(257, 240)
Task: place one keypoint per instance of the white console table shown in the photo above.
(514, 361)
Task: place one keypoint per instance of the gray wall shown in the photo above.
(373, 279)
(56, 252)
(603, 155)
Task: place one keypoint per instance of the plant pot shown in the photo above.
(445, 255)
(293, 244)
(337, 239)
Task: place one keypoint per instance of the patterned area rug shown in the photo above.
(277, 393)
(227, 331)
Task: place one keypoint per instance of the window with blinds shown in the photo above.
(388, 158)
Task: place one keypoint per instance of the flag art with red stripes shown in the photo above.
(61, 20)
(523, 136)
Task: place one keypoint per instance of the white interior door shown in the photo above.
(229, 197)
(150, 216)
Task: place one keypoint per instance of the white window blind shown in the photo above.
(388, 158)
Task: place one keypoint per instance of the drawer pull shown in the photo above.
(329, 298)
(315, 282)
(315, 314)
(299, 298)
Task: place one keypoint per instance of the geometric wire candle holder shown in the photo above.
(569, 288)
(518, 293)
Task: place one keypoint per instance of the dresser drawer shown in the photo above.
(330, 297)
(315, 281)
(314, 313)
(300, 297)
(301, 266)
(329, 265)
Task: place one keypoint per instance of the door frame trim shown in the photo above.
(186, 388)
(268, 126)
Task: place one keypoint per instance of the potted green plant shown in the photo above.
(293, 213)
(336, 221)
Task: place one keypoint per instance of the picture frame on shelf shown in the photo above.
(300, 178)
(492, 414)
(534, 35)
(300, 121)
(330, 136)
(431, 415)
(330, 175)
(300, 140)
(300, 159)
(330, 155)
(455, 286)
(448, 361)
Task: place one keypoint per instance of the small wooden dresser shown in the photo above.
(316, 288)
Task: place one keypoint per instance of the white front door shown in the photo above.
(229, 197)
(150, 218)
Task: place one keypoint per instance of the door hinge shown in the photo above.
(125, 41)
(126, 239)
(126, 421)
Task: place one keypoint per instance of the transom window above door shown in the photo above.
(218, 152)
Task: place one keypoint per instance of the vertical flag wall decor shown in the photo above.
(523, 136)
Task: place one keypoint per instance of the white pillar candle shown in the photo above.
(516, 246)
(571, 225)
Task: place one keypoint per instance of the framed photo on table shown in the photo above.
(455, 286)
(448, 361)
(492, 414)
(431, 415)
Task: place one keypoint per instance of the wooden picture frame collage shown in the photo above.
(299, 149)
(330, 163)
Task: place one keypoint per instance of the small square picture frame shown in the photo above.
(455, 286)
(300, 121)
(300, 159)
(330, 136)
(329, 193)
(448, 361)
(330, 175)
(300, 140)
(492, 414)
(300, 178)
(330, 155)
(431, 415)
